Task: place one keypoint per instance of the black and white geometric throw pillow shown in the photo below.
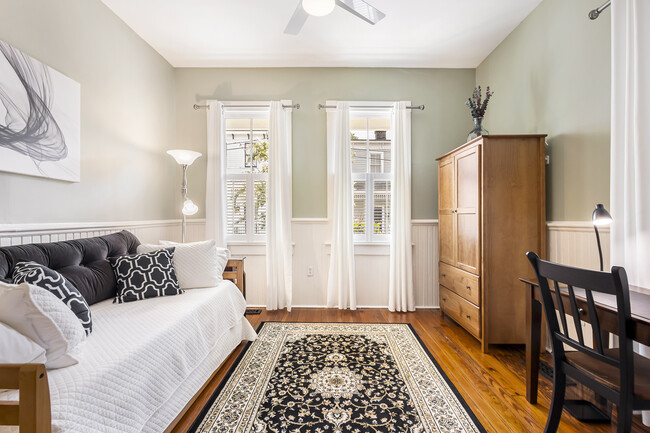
(50, 280)
(146, 275)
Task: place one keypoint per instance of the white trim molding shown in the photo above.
(574, 226)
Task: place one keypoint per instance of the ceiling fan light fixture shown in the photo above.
(318, 8)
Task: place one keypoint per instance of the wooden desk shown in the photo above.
(606, 310)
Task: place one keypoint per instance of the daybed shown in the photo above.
(144, 361)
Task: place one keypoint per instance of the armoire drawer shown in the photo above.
(462, 283)
(465, 313)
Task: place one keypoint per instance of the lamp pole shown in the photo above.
(184, 196)
(600, 250)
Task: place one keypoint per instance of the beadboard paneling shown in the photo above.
(573, 243)
(146, 231)
(425, 262)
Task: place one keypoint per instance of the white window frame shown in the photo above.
(370, 236)
(250, 178)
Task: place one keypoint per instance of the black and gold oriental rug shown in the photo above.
(336, 378)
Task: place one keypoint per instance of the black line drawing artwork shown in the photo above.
(29, 127)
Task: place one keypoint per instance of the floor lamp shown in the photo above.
(185, 158)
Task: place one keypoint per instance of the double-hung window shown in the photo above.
(370, 144)
(247, 174)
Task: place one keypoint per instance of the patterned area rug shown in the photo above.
(336, 378)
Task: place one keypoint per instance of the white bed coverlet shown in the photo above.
(139, 354)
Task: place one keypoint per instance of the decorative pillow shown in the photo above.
(18, 349)
(197, 264)
(143, 276)
(41, 316)
(57, 284)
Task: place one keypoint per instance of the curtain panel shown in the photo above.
(279, 267)
(630, 153)
(401, 295)
(341, 288)
(215, 188)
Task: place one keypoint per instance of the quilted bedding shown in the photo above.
(134, 370)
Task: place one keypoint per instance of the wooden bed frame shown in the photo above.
(32, 414)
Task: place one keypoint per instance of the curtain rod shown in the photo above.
(596, 12)
(410, 107)
(197, 106)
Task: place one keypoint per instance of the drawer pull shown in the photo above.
(444, 299)
(468, 287)
(467, 316)
(444, 275)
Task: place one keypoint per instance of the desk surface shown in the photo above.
(639, 300)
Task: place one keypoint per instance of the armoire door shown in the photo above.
(467, 168)
(446, 214)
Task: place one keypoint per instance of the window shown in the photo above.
(370, 135)
(247, 168)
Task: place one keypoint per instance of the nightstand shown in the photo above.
(235, 272)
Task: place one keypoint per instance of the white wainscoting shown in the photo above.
(311, 249)
(146, 231)
(571, 243)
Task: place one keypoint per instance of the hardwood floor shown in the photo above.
(492, 384)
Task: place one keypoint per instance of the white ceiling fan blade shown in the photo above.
(297, 20)
(363, 10)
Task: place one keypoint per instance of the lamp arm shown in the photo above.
(600, 250)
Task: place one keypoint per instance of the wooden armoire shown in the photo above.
(491, 210)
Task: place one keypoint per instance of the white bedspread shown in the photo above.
(140, 354)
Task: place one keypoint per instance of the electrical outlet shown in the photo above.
(310, 271)
(548, 159)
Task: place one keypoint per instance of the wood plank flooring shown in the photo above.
(492, 384)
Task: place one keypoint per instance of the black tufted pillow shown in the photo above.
(147, 275)
(55, 283)
(83, 262)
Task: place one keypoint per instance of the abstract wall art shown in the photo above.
(40, 118)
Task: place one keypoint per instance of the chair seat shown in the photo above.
(609, 375)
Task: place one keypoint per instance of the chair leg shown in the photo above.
(624, 419)
(555, 413)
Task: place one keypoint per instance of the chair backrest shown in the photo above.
(567, 279)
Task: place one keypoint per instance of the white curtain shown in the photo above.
(279, 267)
(215, 188)
(401, 296)
(341, 290)
(630, 153)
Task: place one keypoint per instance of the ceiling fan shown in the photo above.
(319, 8)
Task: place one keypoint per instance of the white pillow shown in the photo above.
(41, 316)
(197, 264)
(18, 349)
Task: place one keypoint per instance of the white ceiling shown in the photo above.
(250, 33)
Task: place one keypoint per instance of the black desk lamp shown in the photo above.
(600, 217)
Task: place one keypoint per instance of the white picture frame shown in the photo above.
(40, 118)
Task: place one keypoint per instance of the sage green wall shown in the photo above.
(127, 116)
(552, 75)
(441, 127)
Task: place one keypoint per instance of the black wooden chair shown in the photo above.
(619, 375)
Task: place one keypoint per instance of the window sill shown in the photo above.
(249, 248)
(366, 248)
